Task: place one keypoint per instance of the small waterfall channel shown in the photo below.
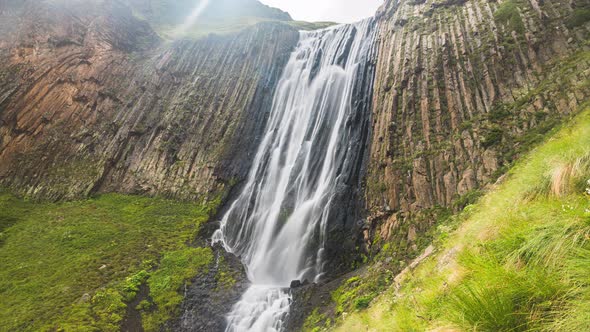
(278, 223)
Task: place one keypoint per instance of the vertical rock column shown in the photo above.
(462, 87)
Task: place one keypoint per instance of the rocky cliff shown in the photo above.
(462, 88)
(92, 100)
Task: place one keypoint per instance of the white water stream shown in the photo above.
(277, 225)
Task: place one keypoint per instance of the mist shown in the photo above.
(341, 11)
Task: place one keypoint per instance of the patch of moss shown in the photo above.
(492, 136)
(357, 292)
(578, 18)
(175, 270)
(315, 322)
(75, 266)
(363, 301)
(108, 307)
(225, 277)
(131, 285)
(508, 15)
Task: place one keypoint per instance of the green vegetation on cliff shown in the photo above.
(579, 17)
(508, 14)
(76, 266)
(517, 260)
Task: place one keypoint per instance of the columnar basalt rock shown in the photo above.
(93, 100)
(461, 88)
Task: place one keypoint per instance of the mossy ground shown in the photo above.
(76, 266)
(517, 260)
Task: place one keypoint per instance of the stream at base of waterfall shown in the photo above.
(277, 225)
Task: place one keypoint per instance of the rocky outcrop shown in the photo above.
(211, 296)
(92, 100)
(462, 87)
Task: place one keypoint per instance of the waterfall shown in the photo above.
(277, 225)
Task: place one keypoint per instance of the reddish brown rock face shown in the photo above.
(461, 88)
(91, 100)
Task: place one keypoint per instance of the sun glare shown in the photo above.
(192, 19)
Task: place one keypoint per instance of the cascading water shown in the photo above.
(278, 223)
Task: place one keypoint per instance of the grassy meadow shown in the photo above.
(77, 266)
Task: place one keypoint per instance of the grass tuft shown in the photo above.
(570, 176)
(518, 262)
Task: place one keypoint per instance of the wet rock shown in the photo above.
(211, 296)
(305, 300)
(298, 283)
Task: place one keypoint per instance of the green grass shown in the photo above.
(75, 266)
(356, 293)
(175, 268)
(517, 260)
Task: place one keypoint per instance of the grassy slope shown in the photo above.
(167, 16)
(231, 26)
(170, 16)
(516, 261)
(309, 26)
(76, 265)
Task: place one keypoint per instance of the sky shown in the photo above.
(340, 11)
